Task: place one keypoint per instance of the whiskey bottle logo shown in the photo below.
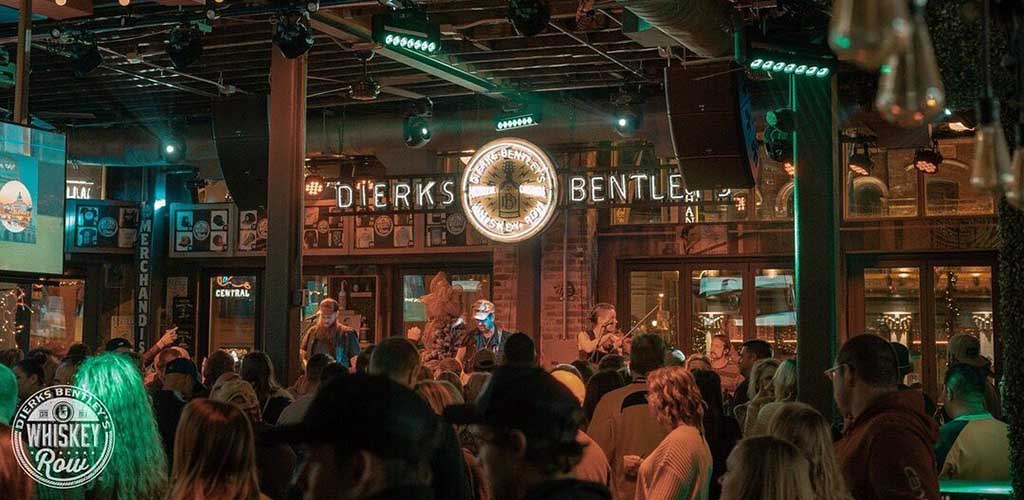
(508, 193)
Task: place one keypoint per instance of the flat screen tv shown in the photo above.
(31, 200)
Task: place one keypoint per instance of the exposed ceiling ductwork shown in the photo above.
(703, 26)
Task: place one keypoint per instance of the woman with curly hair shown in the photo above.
(803, 426)
(138, 467)
(680, 467)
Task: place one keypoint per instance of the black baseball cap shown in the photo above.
(183, 366)
(524, 398)
(117, 343)
(367, 412)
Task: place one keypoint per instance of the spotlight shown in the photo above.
(61, 2)
(292, 36)
(416, 130)
(173, 150)
(311, 7)
(124, 3)
(860, 161)
(85, 57)
(628, 121)
(185, 45)
(529, 17)
(315, 183)
(928, 160)
(782, 119)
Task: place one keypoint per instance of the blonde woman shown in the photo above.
(760, 391)
(784, 391)
(803, 426)
(214, 454)
(765, 467)
(680, 467)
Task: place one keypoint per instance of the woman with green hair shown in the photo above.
(138, 468)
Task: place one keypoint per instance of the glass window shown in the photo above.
(776, 310)
(57, 315)
(888, 189)
(963, 304)
(717, 307)
(475, 286)
(233, 308)
(949, 190)
(892, 310)
(654, 304)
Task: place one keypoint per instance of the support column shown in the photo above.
(282, 281)
(21, 72)
(528, 293)
(817, 237)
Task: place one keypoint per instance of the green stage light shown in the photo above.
(407, 29)
(789, 67)
(509, 122)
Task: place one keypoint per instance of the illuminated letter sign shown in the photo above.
(509, 190)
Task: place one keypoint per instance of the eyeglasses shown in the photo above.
(832, 372)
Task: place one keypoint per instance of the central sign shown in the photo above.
(509, 190)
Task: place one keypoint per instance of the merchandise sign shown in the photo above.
(144, 260)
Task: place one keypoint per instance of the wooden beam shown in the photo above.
(50, 9)
(176, 3)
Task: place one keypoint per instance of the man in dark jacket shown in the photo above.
(886, 452)
(527, 422)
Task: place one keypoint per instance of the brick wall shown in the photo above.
(579, 265)
(504, 285)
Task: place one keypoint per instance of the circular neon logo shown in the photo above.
(63, 436)
(509, 190)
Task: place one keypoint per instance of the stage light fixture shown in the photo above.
(292, 36)
(779, 146)
(312, 6)
(928, 160)
(627, 121)
(416, 131)
(860, 160)
(85, 57)
(783, 119)
(173, 150)
(407, 29)
(529, 17)
(124, 3)
(185, 45)
(790, 67)
(315, 183)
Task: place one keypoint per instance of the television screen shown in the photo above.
(31, 200)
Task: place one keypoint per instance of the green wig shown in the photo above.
(8, 395)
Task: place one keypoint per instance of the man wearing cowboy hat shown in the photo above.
(486, 337)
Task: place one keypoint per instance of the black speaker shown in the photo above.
(713, 132)
(242, 135)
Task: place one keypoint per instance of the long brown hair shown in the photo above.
(15, 484)
(214, 454)
(803, 426)
(675, 397)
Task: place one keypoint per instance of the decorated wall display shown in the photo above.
(384, 231)
(202, 230)
(323, 228)
(357, 297)
(102, 226)
(449, 229)
(183, 314)
(252, 231)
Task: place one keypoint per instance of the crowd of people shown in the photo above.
(395, 422)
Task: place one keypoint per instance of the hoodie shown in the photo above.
(887, 452)
(569, 489)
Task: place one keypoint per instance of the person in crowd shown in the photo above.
(751, 352)
(675, 357)
(14, 483)
(886, 450)
(680, 467)
(601, 383)
(30, 376)
(622, 424)
(783, 391)
(586, 369)
(155, 378)
(363, 360)
(10, 357)
(803, 426)
(906, 368)
(612, 362)
(137, 468)
(179, 381)
(721, 431)
(966, 349)
(566, 367)
(8, 395)
(47, 360)
(275, 462)
(258, 370)
(474, 386)
(519, 351)
(397, 359)
(330, 336)
(487, 335)
(65, 373)
(182, 377)
(484, 361)
(78, 350)
(602, 338)
(766, 467)
(379, 449)
(449, 365)
(314, 377)
(440, 395)
(699, 362)
(124, 346)
(217, 364)
(760, 392)
(724, 363)
(527, 423)
(214, 454)
(973, 445)
(593, 464)
(452, 379)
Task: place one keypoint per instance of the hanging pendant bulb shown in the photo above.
(991, 168)
(867, 32)
(910, 90)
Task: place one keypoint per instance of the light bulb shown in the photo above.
(124, 3)
(1015, 191)
(991, 157)
(61, 2)
(867, 32)
(910, 90)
